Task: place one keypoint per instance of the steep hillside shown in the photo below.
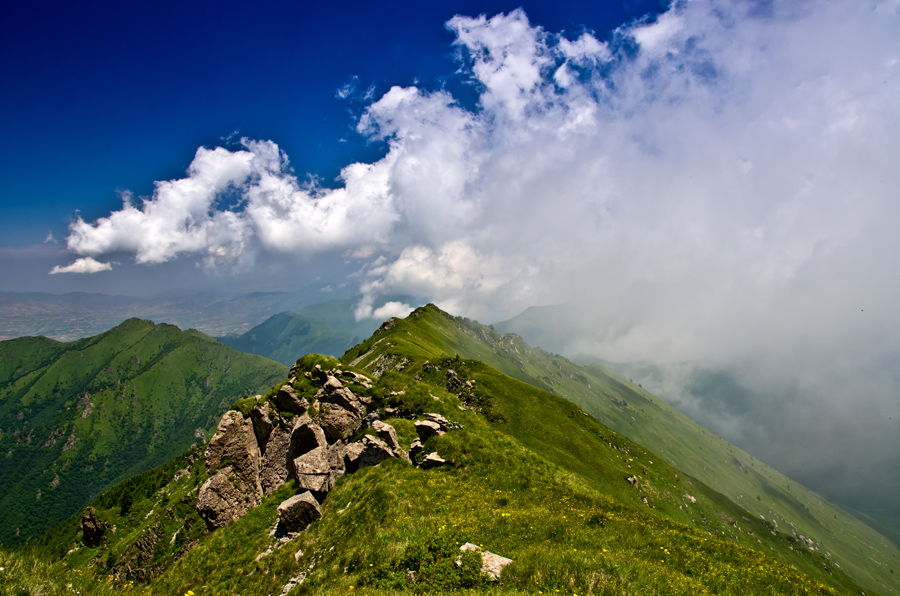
(683, 443)
(77, 417)
(568, 504)
(287, 336)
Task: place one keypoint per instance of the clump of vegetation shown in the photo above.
(429, 563)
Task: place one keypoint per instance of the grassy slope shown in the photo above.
(287, 336)
(647, 420)
(152, 387)
(542, 483)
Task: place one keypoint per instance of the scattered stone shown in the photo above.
(432, 460)
(427, 429)
(491, 564)
(374, 451)
(296, 513)
(633, 480)
(442, 422)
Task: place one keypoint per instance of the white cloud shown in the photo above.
(83, 265)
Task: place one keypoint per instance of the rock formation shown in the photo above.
(304, 438)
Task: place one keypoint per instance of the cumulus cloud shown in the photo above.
(83, 265)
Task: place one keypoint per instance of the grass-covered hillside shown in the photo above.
(649, 421)
(77, 417)
(287, 336)
(577, 507)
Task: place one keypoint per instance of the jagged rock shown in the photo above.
(427, 429)
(491, 564)
(262, 424)
(235, 442)
(235, 489)
(275, 462)
(387, 434)
(92, 529)
(296, 513)
(332, 384)
(337, 422)
(287, 400)
(374, 451)
(432, 460)
(343, 397)
(351, 456)
(225, 498)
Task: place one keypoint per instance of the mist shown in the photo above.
(717, 185)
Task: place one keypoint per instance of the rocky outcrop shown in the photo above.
(250, 457)
(92, 529)
(233, 460)
(296, 513)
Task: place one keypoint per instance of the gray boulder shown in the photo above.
(287, 400)
(338, 422)
(387, 434)
(442, 422)
(319, 469)
(306, 435)
(225, 498)
(432, 460)
(296, 513)
(235, 442)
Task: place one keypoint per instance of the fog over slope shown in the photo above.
(717, 184)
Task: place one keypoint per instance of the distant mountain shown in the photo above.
(339, 314)
(287, 336)
(66, 317)
(378, 472)
(77, 417)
